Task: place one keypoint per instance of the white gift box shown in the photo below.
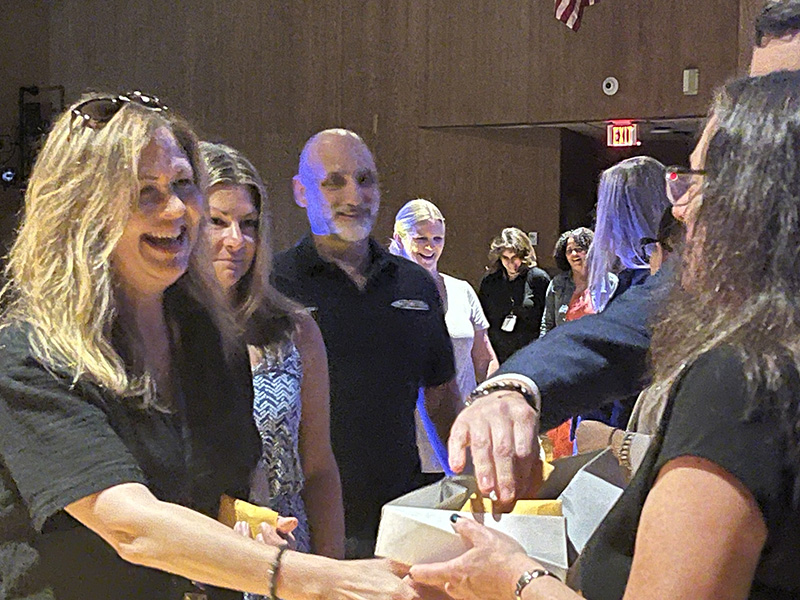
(416, 527)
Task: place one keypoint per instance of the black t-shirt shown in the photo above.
(709, 417)
(61, 442)
(524, 297)
(383, 342)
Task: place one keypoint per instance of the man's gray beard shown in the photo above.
(355, 233)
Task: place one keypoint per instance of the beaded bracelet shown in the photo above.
(625, 452)
(275, 569)
(505, 385)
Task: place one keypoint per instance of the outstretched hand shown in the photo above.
(278, 536)
(501, 431)
(488, 570)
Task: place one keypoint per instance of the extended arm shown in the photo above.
(322, 491)
(576, 366)
(172, 538)
(599, 358)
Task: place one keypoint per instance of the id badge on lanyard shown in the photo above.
(509, 322)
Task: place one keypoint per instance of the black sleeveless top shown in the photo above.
(706, 416)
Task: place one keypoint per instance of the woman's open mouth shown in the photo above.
(167, 243)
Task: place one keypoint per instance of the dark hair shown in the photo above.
(266, 317)
(512, 238)
(743, 289)
(582, 236)
(777, 19)
(671, 232)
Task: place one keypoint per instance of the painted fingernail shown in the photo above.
(454, 517)
(493, 496)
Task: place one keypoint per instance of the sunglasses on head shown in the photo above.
(96, 112)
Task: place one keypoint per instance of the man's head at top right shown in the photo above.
(777, 43)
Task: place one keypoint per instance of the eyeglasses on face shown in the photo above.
(680, 180)
(97, 112)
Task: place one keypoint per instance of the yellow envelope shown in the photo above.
(550, 508)
(232, 510)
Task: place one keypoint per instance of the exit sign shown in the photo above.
(620, 136)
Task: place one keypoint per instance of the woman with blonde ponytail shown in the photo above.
(419, 233)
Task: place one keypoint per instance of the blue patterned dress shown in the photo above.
(277, 410)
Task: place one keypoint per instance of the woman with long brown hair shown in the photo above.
(297, 474)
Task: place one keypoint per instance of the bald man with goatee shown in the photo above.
(383, 325)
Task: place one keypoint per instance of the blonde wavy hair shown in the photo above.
(61, 283)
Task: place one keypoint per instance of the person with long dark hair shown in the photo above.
(713, 510)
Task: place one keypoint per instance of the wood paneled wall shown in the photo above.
(512, 62)
(484, 181)
(263, 75)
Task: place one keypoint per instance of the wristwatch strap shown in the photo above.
(529, 576)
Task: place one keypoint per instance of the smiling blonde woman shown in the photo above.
(419, 235)
(125, 399)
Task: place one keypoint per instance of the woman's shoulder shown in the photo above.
(456, 283)
(721, 364)
(717, 362)
(15, 345)
(491, 277)
(307, 335)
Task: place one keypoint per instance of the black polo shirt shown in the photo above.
(384, 342)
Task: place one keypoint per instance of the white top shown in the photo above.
(463, 317)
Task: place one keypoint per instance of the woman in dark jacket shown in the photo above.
(512, 293)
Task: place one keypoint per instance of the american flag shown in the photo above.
(569, 11)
